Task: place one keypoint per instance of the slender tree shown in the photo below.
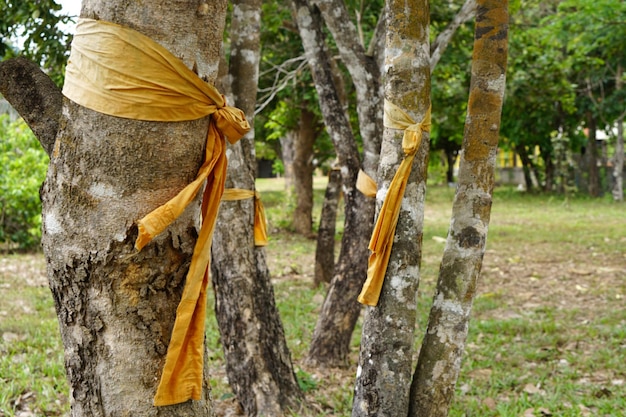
(440, 356)
(258, 363)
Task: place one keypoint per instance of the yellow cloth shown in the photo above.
(260, 222)
(385, 228)
(366, 184)
(120, 72)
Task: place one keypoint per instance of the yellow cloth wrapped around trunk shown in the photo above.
(385, 228)
(120, 72)
(260, 221)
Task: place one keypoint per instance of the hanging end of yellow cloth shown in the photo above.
(162, 399)
(370, 293)
(366, 184)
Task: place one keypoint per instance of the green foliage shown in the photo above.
(24, 165)
(38, 25)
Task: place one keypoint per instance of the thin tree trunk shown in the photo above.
(618, 159)
(258, 362)
(116, 307)
(440, 356)
(330, 343)
(303, 172)
(592, 157)
(384, 370)
(287, 153)
(325, 248)
(526, 166)
(331, 338)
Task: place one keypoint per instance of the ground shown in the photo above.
(547, 334)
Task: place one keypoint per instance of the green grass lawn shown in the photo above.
(547, 336)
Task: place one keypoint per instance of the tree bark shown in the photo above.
(384, 371)
(303, 172)
(592, 157)
(330, 344)
(325, 248)
(618, 159)
(258, 363)
(440, 356)
(527, 165)
(116, 307)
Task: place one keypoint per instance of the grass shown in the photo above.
(548, 330)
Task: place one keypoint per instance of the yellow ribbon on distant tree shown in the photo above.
(120, 72)
(385, 228)
(260, 221)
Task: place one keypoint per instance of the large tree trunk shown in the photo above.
(116, 307)
(331, 338)
(443, 346)
(384, 371)
(258, 363)
(303, 172)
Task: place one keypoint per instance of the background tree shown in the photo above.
(116, 308)
(258, 363)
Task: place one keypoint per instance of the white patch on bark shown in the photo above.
(250, 56)
(102, 191)
(496, 84)
(438, 370)
(51, 223)
(359, 370)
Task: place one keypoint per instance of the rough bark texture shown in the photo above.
(36, 98)
(331, 338)
(258, 363)
(116, 307)
(303, 172)
(325, 248)
(340, 311)
(440, 44)
(440, 357)
(384, 371)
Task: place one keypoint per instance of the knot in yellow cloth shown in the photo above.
(260, 221)
(385, 228)
(120, 72)
(396, 118)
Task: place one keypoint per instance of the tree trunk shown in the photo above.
(116, 307)
(526, 166)
(384, 371)
(330, 343)
(549, 169)
(287, 153)
(325, 248)
(331, 338)
(618, 159)
(440, 356)
(258, 363)
(451, 156)
(592, 157)
(303, 172)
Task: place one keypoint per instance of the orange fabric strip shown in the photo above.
(120, 72)
(260, 221)
(385, 227)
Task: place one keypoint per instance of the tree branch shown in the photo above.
(35, 97)
(443, 39)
